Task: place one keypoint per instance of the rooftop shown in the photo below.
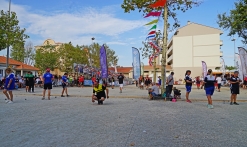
(19, 65)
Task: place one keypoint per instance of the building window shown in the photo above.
(1, 71)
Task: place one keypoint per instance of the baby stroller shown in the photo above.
(177, 93)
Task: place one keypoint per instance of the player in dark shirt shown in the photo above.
(188, 85)
(234, 81)
(209, 81)
(99, 93)
(120, 80)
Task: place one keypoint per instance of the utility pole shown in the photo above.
(234, 52)
(163, 66)
(7, 61)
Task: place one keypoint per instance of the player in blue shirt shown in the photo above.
(64, 84)
(209, 81)
(9, 86)
(47, 79)
(188, 85)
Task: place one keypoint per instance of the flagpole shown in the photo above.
(7, 59)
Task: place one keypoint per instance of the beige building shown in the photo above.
(192, 44)
(57, 45)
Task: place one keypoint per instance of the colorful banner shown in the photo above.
(103, 62)
(136, 63)
(204, 69)
(153, 28)
(152, 22)
(239, 66)
(142, 68)
(153, 14)
(223, 67)
(243, 60)
(159, 3)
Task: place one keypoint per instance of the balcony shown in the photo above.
(221, 53)
(221, 42)
(169, 58)
(169, 51)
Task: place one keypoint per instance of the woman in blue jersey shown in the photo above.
(9, 86)
(188, 85)
(209, 81)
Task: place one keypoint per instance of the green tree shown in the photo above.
(10, 32)
(93, 52)
(18, 52)
(230, 67)
(170, 11)
(70, 54)
(236, 21)
(47, 56)
(25, 54)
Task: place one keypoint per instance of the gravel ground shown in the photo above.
(120, 122)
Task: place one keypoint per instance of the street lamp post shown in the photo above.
(7, 59)
(234, 52)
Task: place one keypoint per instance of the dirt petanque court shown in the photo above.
(125, 119)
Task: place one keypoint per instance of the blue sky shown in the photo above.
(80, 20)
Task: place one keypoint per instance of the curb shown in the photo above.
(138, 97)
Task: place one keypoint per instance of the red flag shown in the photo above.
(152, 32)
(153, 14)
(159, 3)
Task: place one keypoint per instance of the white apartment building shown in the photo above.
(192, 44)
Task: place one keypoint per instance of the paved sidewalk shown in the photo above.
(120, 122)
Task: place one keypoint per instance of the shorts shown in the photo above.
(146, 83)
(219, 85)
(39, 82)
(209, 91)
(82, 83)
(121, 85)
(100, 96)
(48, 86)
(9, 89)
(64, 85)
(198, 84)
(112, 83)
(188, 88)
(234, 90)
(245, 82)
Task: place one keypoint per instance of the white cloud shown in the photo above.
(77, 27)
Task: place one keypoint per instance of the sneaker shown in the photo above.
(10, 102)
(208, 106)
(43, 98)
(6, 101)
(235, 103)
(62, 95)
(211, 107)
(231, 103)
(188, 101)
(67, 95)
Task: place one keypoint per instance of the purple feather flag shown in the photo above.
(103, 62)
(153, 14)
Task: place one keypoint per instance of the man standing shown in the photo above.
(170, 82)
(47, 79)
(120, 80)
(64, 84)
(99, 93)
(31, 81)
(234, 81)
(219, 80)
(81, 81)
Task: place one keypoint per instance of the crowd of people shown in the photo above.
(210, 83)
